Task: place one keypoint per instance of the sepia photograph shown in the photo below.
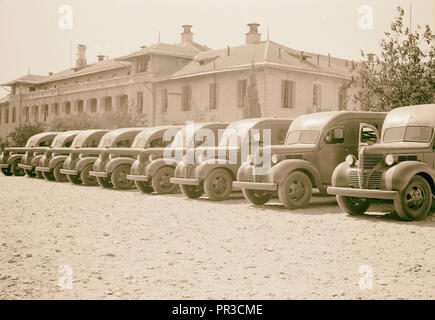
(229, 152)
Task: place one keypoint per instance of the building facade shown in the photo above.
(172, 83)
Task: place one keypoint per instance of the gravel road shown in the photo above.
(62, 241)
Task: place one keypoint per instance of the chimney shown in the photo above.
(81, 56)
(100, 57)
(371, 57)
(50, 73)
(318, 59)
(228, 50)
(253, 36)
(187, 35)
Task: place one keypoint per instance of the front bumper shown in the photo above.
(364, 193)
(4, 165)
(69, 172)
(191, 182)
(267, 186)
(25, 166)
(135, 177)
(98, 174)
(42, 169)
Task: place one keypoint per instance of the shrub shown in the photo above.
(22, 133)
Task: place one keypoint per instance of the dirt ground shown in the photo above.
(125, 245)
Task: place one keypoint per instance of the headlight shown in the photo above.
(390, 160)
(275, 159)
(35, 154)
(351, 160)
(201, 158)
(110, 156)
(184, 158)
(151, 157)
(250, 159)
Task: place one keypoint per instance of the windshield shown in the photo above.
(233, 136)
(32, 142)
(140, 140)
(106, 141)
(302, 136)
(58, 141)
(407, 134)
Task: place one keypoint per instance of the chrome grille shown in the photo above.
(407, 158)
(256, 178)
(374, 181)
(369, 161)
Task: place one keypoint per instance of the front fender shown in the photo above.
(155, 165)
(14, 158)
(35, 160)
(340, 175)
(179, 170)
(113, 163)
(56, 160)
(242, 173)
(204, 169)
(280, 171)
(84, 162)
(398, 177)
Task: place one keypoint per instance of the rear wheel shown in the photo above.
(161, 183)
(415, 200)
(7, 172)
(30, 173)
(74, 179)
(192, 192)
(295, 191)
(87, 179)
(143, 186)
(48, 175)
(218, 185)
(119, 177)
(60, 177)
(104, 182)
(17, 171)
(352, 205)
(256, 196)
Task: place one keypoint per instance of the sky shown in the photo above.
(36, 36)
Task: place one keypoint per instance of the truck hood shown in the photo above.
(396, 147)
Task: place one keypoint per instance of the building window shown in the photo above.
(55, 109)
(142, 64)
(317, 97)
(1, 115)
(93, 103)
(139, 104)
(6, 115)
(80, 106)
(45, 110)
(32, 89)
(68, 108)
(14, 116)
(164, 100)
(213, 96)
(288, 94)
(26, 114)
(342, 98)
(241, 92)
(186, 98)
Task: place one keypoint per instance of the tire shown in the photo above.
(160, 181)
(143, 186)
(119, 177)
(218, 185)
(60, 177)
(192, 192)
(39, 174)
(257, 197)
(74, 179)
(104, 182)
(48, 175)
(30, 173)
(88, 180)
(17, 171)
(295, 191)
(415, 200)
(7, 172)
(352, 205)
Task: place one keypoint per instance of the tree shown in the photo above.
(403, 74)
(22, 133)
(252, 104)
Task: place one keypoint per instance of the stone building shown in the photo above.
(171, 83)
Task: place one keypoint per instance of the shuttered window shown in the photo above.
(342, 97)
(241, 92)
(317, 97)
(186, 98)
(164, 100)
(213, 96)
(288, 94)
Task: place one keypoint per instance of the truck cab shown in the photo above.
(399, 168)
(154, 169)
(314, 145)
(214, 175)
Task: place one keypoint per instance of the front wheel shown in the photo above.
(17, 171)
(87, 179)
(295, 191)
(104, 182)
(258, 197)
(415, 200)
(47, 175)
(7, 172)
(192, 192)
(352, 205)
(74, 179)
(60, 177)
(143, 186)
(119, 177)
(161, 183)
(218, 185)
(30, 173)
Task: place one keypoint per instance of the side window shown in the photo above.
(68, 144)
(335, 136)
(157, 143)
(123, 143)
(368, 135)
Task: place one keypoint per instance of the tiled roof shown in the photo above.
(263, 53)
(28, 79)
(188, 49)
